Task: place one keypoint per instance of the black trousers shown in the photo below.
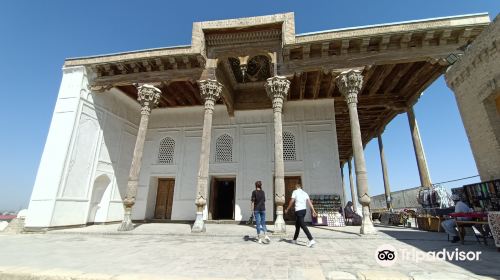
(299, 223)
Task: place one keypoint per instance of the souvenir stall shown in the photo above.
(436, 204)
(328, 208)
(484, 198)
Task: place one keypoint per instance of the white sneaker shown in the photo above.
(311, 243)
(267, 238)
(294, 242)
(260, 241)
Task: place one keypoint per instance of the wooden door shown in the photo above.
(290, 183)
(164, 199)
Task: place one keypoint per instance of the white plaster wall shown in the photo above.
(54, 155)
(312, 123)
(93, 134)
(88, 137)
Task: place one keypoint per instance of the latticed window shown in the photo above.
(166, 153)
(224, 149)
(289, 151)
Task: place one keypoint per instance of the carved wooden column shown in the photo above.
(353, 190)
(423, 171)
(210, 91)
(148, 97)
(349, 84)
(277, 89)
(387, 187)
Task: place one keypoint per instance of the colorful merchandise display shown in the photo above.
(328, 208)
(484, 196)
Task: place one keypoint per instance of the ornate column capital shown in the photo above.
(350, 83)
(148, 96)
(277, 89)
(210, 91)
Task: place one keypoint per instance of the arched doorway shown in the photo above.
(96, 209)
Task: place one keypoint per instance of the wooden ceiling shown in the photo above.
(387, 91)
(174, 94)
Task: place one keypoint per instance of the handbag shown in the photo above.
(250, 220)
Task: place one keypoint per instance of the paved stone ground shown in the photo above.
(170, 251)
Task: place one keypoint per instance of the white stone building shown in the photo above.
(85, 174)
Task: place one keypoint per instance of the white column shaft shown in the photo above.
(385, 175)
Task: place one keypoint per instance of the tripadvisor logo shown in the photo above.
(386, 255)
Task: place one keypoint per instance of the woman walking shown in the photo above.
(300, 198)
(259, 209)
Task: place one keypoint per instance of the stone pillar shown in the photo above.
(354, 200)
(277, 89)
(210, 91)
(349, 84)
(423, 171)
(344, 196)
(387, 187)
(148, 97)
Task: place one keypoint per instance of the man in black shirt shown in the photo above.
(259, 209)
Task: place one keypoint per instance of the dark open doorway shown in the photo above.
(222, 199)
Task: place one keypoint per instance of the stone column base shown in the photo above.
(279, 224)
(199, 224)
(127, 224)
(366, 224)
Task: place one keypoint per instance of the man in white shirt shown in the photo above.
(449, 225)
(300, 198)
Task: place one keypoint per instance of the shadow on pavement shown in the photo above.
(336, 229)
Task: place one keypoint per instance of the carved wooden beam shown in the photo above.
(384, 43)
(443, 40)
(191, 86)
(159, 63)
(306, 51)
(186, 62)
(108, 69)
(303, 81)
(147, 65)
(395, 80)
(177, 95)
(148, 77)
(365, 42)
(317, 84)
(135, 67)
(429, 35)
(227, 91)
(418, 76)
(325, 47)
(368, 73)
(184, 93)
(374, 58)
(405, 39)
(167, 95)
(432, 75)
(465, 36)
(331, 85)
(172, 62)
(122, 68)
(381, 78)
(344, 46)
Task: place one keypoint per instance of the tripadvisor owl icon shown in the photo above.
(386, 255)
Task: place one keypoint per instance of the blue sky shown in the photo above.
(36, 37)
